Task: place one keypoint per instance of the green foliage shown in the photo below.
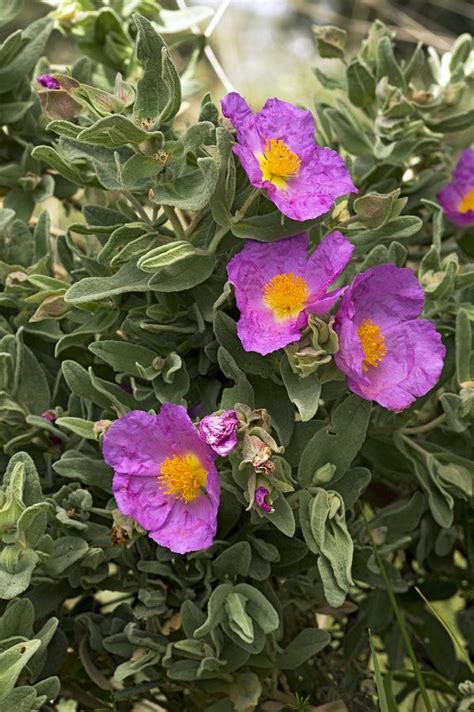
(127, 307)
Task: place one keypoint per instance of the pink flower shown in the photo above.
(220, 431)
(277, 150)
(457, 198)
(388, 354)
(277, 284)
(165, 477)
(48, 81)
(262, 496)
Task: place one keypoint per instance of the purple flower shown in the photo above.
(277, 150)
(49, 415)
(457, 198)
(48, 81)
(165, 477)
(276, 284)
(387, 353)
(262, 496)
(220, 431)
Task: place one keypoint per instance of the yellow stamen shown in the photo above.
(182, 476)
(467, 203)
(278, 162)
(286, 295)
(373, 344)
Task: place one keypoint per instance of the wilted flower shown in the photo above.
(277, 150)
(457, 198)
(48, 81)
(388, 354)
(219, 430)
(276, 284)
(262, 496)
(165, 477)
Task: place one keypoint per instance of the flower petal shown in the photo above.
(323, 305)
(142, 499)
(255, 265)
(412, 366)
(236, 109)
(281, 120)
(323, 177)
(385, 294)
(192, 526)
(327, 262)
(134, 444)
(260, 332)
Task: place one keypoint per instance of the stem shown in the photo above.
(415, 445)
(399, 617)
(174, 220)
(238, 215)
(137, 206)
(193, 224)
(426, 426)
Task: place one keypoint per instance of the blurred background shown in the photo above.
(262, 47)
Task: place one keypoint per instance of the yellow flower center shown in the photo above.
(467, 203)
(278, 162)
(373, 344)
(183, 476)
(286, 295)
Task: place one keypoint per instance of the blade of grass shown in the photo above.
(400, 620)
(449, 630)
(379, 681)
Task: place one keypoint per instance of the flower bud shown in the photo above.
(219, 431)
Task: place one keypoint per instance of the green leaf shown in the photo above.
(173, 84)
(259, 607)
(173, 21)
(269, 228)
(15, 71)
(12, 662)
(339, 442)
(305, 645)
(234, 561)
(360, 83)
(68, 550)
(177, 266)
(79, 426)
(152, 93)
(387, 65)
(124, 356)
(384, 706)
(282, 517)
(463, 347)
(191, 191)
(113, 132)
(215, 610)
(303, 392)
(9, 10)
(127, 279)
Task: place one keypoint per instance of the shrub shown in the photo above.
(343, 542)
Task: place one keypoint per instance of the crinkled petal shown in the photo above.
(142, 499)
(177, 428)
(134, 444)
(250, 165)
(236, 109)
(323, 177)
(464, 170)
(411, 367)
(385, 294)
(350, 356)
(449, 199)
(280, 120)
(191, 526)
(323, 305)
(259, 331)
(255, 265)
(327, 262)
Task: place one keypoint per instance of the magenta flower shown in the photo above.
(165, 477)
(457, 198)
(277, 150)
(387, 353)
(276, 284)
(48, 81)
(219, 431)
(262, 496)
